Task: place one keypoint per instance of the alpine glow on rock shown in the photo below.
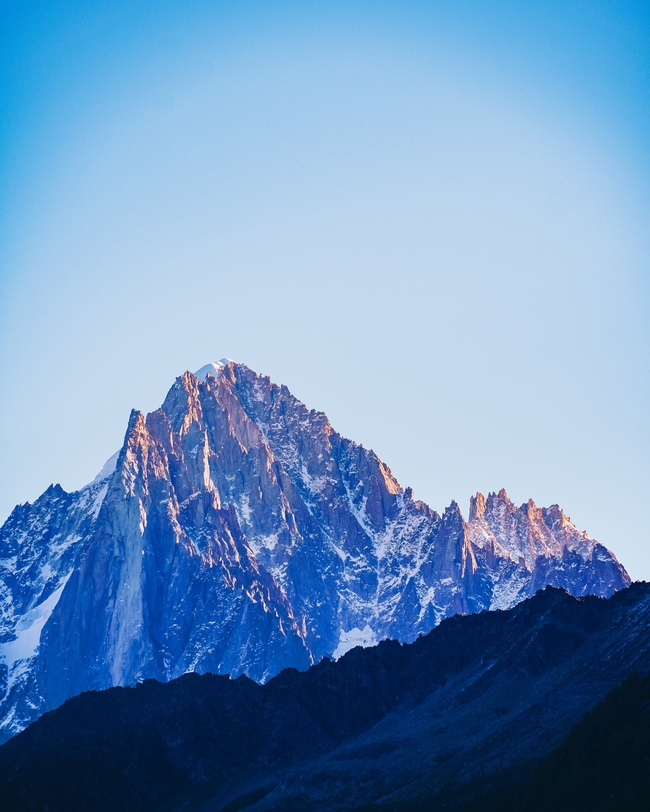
(237, 532)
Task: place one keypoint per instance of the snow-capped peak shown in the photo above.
(214, 368)
(313, 534)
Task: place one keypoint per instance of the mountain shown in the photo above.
(236, 532)
(427, 725)
(602, 766)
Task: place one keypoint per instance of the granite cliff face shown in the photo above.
(237, 532)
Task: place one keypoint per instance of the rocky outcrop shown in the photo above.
(527, 548)
(237, 532)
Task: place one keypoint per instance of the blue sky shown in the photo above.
(430, 220)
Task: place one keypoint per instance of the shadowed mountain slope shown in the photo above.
(390, 725)
(602, 766)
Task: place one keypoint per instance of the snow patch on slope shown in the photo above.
(28, 629)
(355, 637)
(107, 470)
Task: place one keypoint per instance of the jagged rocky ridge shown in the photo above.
(237, 532)
(422, 726)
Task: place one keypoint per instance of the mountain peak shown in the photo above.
(244, 535)
(213, 368)
(476, 506)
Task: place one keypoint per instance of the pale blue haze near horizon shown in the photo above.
(428, 220)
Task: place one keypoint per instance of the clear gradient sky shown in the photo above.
(428, 219)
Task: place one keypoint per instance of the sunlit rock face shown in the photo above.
(526, 548)
(237, 532)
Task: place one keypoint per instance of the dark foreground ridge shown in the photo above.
(602, 766)
(396, 726)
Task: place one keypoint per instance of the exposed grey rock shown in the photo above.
(239, 533)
